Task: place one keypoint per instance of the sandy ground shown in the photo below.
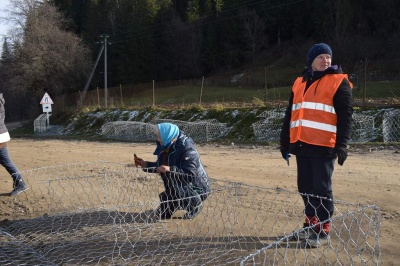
(369, 176)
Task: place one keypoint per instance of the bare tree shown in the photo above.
(47, 57)
(338, 28)
(254, 31)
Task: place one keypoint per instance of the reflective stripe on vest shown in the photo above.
(313, 117)
(315, 106)
(313, 124)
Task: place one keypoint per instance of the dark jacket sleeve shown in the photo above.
(151, 167)
(343, 104)
(151, 164)
(285, 130)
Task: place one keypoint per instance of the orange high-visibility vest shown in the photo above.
(314, 118)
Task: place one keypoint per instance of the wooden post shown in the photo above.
(98, 97)
(365, 81)
(265, 83)
(201, 89)
(120, 90)
(154, 97)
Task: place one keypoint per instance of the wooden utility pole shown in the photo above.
(82, 96)
(105, 43)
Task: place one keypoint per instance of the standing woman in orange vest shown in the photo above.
(316, 129)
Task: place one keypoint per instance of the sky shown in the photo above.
(3, 26)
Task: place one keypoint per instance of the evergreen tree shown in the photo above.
(6, 55)
(171, 39)
(6, 61)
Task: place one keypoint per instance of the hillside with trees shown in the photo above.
(56, 43)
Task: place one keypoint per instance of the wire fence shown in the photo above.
(102, 213)
(200, 131)
(383, 125)
(375, 83)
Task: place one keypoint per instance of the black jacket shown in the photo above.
(343, 104)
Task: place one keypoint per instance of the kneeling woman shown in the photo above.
(186, 182)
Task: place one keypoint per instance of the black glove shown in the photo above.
(285, 152)
(341, 154)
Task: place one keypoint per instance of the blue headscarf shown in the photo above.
(168, 132)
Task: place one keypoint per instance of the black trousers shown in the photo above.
(314, 177)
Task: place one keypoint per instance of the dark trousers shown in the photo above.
(314, 177)
(186, 199)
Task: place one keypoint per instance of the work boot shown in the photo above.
(193, 212)
(19, 186)
(163, 212)
(303, 233)
(317, 240)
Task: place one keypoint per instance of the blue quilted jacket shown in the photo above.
(186, 169)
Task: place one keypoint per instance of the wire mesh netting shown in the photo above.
(128, 130)
(375, 81)
(199, 131)
(269, 128)
(371, 125)
(102, 213)
(391, 125)
(366, 127)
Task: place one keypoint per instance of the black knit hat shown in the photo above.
(316, 50)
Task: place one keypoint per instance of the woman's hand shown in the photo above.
(163, 169)
(140, 162)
